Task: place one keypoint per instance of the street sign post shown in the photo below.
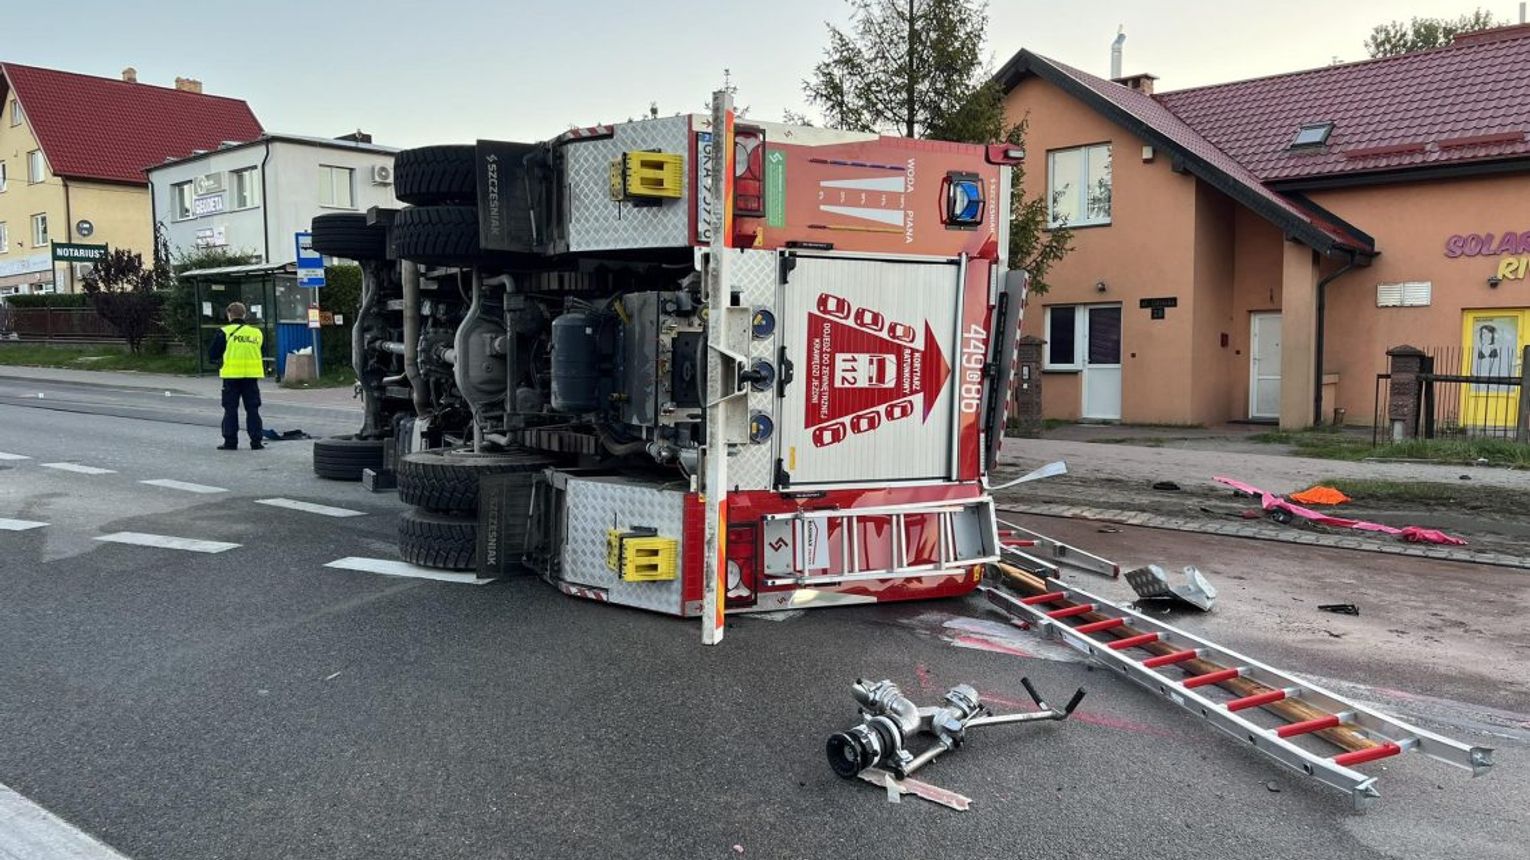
(310, 275)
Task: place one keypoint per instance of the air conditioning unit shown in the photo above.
(382, 174)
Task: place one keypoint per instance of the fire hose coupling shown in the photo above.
(890, 719)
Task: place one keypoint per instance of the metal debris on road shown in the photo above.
(896, 788)
(1152, 583)
(1340, 608)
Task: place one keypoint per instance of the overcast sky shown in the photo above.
(413, 73)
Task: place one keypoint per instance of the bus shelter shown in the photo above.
(276, 305)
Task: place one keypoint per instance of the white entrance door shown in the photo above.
(1264, 367)
(1102, 362)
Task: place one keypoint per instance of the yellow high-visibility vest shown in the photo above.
(241, 352)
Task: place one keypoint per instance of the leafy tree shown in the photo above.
(917, 68)
(1421, 34)
(122, 290)
(180, 312)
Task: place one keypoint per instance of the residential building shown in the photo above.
(1252, 250)
(253, 197)
(73, 149)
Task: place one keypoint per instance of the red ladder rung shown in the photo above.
(1307, 726)
(1212, 678)
(1070, 611)
(1132, 641)
(1049, 597)
(1097, 626)
(1170, 659)
(1256, 700)
(1363, 756)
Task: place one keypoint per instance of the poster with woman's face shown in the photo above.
(1495, 343)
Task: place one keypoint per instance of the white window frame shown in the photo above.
(251, 177)
(327, 174)
(16, 115)
(1077, 365)
(181, 193)
(37, 167)
(1081, 185)
(40, 237)
(5, 239)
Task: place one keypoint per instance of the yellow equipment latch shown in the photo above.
(647, 174)
(641, 555)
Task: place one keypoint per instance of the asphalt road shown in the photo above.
(253, 703)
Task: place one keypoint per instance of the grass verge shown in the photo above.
(1328, 445)
(93, 358)
(1430, 494)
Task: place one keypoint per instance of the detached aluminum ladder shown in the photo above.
(1045, 557)
(1113, 636)
(966, 535)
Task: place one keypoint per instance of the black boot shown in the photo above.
(229, 445)
(256, 445)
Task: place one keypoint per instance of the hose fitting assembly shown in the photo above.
(890, 719)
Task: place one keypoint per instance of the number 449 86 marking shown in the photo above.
(974, 343)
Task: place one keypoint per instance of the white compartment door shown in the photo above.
(1264, 366)
(1102, 362)
(871, 344)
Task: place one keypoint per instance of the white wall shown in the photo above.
(289, 201)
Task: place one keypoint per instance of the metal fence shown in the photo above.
(64, 325)
(1463, 394)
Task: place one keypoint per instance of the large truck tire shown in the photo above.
(433, 175)
(437, 540)
(446, 481)
(438, 235)
(349, 236)
(343, 458)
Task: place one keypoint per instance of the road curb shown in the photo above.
(1241, 530)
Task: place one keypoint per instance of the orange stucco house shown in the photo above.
(1251, 250)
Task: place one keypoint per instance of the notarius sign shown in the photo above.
(1513, 249)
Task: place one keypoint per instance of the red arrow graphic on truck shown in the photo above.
(855, 371)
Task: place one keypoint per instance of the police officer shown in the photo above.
(238, 345)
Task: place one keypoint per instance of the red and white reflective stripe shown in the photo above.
(580, 591)
(586, 133)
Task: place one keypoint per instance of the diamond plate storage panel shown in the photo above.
(598, 223)
(754, 275)
(596, 505)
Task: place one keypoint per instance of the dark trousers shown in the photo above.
(235, 391)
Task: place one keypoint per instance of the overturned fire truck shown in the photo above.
(708, 366)
(699, 366)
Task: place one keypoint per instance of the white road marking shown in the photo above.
(28, 831)
(389, 567)
(310, 508)
(168, 542)
(76, 467)
(19, 525)
(183, 485)
(6, 456)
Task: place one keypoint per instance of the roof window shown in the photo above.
(1312, 134)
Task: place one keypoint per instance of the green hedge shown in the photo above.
(49, 300)
(341, 294)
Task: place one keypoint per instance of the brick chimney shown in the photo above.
(188, 85)
(1142, 83)
(130, 75)
(1495, 34)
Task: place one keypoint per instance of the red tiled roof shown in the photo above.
(1444, 106)
(111, 130)
(1150, 119)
